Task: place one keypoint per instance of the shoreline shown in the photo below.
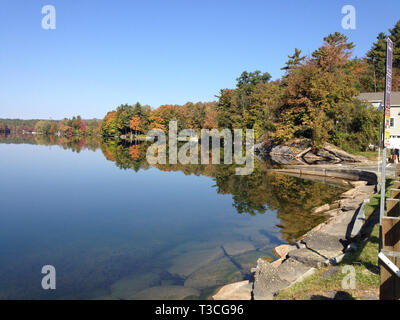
(325, 244)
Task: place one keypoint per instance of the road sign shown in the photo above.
(388, 89)
(386, 124)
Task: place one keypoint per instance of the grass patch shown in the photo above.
(370, 155)
(365, 262)
(326, 282)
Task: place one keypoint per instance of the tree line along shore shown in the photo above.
(316, 98)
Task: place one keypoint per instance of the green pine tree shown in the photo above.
(377, 59)
(294, 61)
(395, 37)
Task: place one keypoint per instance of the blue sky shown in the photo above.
(105, 53)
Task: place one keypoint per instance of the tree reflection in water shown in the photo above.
(264, 190)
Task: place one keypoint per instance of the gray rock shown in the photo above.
(310, 156)
(326, 245)
(307, 257)
(337, 226)
(342, 155)
(299, 150)
(330, 272)
(291, 270)
(327, 155)
(267, 281)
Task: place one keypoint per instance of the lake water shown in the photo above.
(115, 227)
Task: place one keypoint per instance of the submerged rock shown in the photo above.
(128, 287)
(187, 263)
(217, 273)
(238, 247)
(166, 293)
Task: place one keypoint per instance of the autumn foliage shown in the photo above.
(315, 99)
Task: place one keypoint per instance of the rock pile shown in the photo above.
(323, 245)
(299, 151)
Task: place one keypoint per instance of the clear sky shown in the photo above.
(105, 53)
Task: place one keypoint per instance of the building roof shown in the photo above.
(379, 97)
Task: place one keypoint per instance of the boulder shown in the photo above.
(234, 291)
(307, 257)
(311, 157)
(276, 263)
(282, 250)
(343, 155)
(291, 270)
(327, 155)
(267, 281)
(299, 150)
(330, 272)
(326, 245)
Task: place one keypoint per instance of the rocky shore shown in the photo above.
(299, 151)
(325, 244)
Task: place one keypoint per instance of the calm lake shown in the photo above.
(115, 227)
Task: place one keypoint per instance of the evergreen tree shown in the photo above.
(377, 59)
(137, 111)
(395, 37)
(294, 61)
(248, 80)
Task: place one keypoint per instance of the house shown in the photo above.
(377, 100)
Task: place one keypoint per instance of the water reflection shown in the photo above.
(164, 231)
(292, 198)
